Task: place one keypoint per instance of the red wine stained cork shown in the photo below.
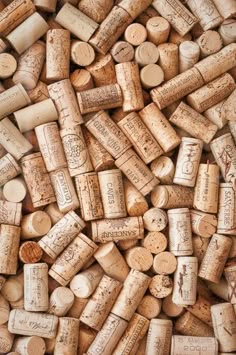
(202, 310)
(61, 234)
(164, 263)
(68, 330)
(149, 307)
(96, 11)
(161, 286)
(81, 249)
(13, 99)
(224, 323)
(10, 213)
(146, 53)
(87, 186)
(180, 18)
(61, 300)
(36, 287)
(164, 169)
(82, 53)
(169, 60)
(170, 308)
(99, 306)
(155, 242)
(155, 219)
(227, 31)
(4, 310)
(9, 247)
(230, 273)
(151, 75)
(158, 30)
(28, 345)
(9, 169)
(161, 129)
(112, 193)
(13, 288)
(103, 70)
(180, 232)
(79, 24)
(226, 210)
(129, 80)
(182, 344)
(215, 258)
(189, 53)
(112, 261)
(136, 203)
(30, 252)
(188, 324)
(81, 80)
(135, 34)
(203, 224)
(159, 336)
(139, 258)
(172, 196)
(141, 138)
(209, 42)
(6, 339)
(8, 65)
(84, 284)
(188, 161)
(122, 52)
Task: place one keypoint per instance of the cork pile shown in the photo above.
(117, 177)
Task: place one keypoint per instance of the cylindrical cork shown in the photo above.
(13, 99)
(224, 324)
(72, 259)
(131, 294)
(61, 300)
(146, 15)
(155, 241)
(149, 307)
(8, 65)
(227, 9)
(219, 289)
(217, 115)
(188, 324)
(101, 98)
(112, 193)
(96, 11)
(67, 338)
(158, 30)
(230, 275)
(228, 108)
(164, 263)
(106, 230)
(108, 134)
(84, 284)
(2, 281)
(35, 225)
(103, 70)
(82, 53)
(46, 5)
(155, 219)
(51, 146)
(36, 287)
(86, 337)
(159, 337)
(136, 203)
(29, 66)
(202, 310)
(164, 169)
(39, 93)
(172, 196)
(170, 308)
(79, 24)
(35, 27)
(128, 78)
(135, 34)
(58, 54)
(4, 310)
(13, 288)
(180, 232)
(61, 234)
(10, 213)
(87, 186)
(112, 262)
(141, 138)
(136, 8)
(76, 152)
(81, 80)
(122, 52)
(161, 286)
(6, 339)
(78, 306)
(206, 12)
(169, 60)
(127, 244)
(9, 169)
(99, 306)
(185, 281)
(23, 323)
(54, 213)
(151, 75)
(215, 258)
(209, 42)
(183, 344)
(227, 31)
(226, 210)
(188, 161)
(139, 258)
(146, 53)
(180, 18)
(189, 53)
(200, 245)
(9, 247)
(29, 345)
(64, 98)
(30, 252)
(37, 180)
(203, 224)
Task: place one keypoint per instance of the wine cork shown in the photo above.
(219, 289)
(151, 75)
(9, 247)
(177, 87)
(2, 281)
(230, 272)
(227, 31)
(9, 169)
(98, 10)
(216, 114)
(61, 234)
(39, 93)
(84, 284)
(228, 9)
(215, 258)
(176, 38)
(28, 345)
(79, 251)
(189, 53)
(61, 300)
(13, 288)
(202, 310)
(170, 308)
(134, 333)
(136, 203)
(159, 337)
(23, 323)
(133, 290)
(14, 14)
(146, 53)
(164, 169)
(14, 190)
(155, 220)
(203, 224)
(172, 196)
(54, 213)
(37, 180)
(226, 210)
(8, 65)
(112, 262)
(224, 322)
(180, 18)
(46, 5)
(122, 52)
(139, 258)
(67, 338)
(112, 27)
(155, 242)
(77, 308)
(135, 34)
(30, 252)
(58, 54)
(81, 80)
(188, 324)
(148, 13)
(136, 8)
(18, 304)
(200, 245)
(79, 24)
(4, 310)
(206, 12)
(112, 193)
(149, 307)
(158, 30)
(164, 263)
(35, 27)
(209, 42)
(169, 60)
(106, 230)
(180, 232)
(103, 70)
(6, 339)
(196, 345)
(228, 108)
(35, 225)
(161, 286)
(36, 287)
(127, 244)
(104, 343)
(87, 186)
(82, 53)
(188, 162)
(86, 337)
(10, 213)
